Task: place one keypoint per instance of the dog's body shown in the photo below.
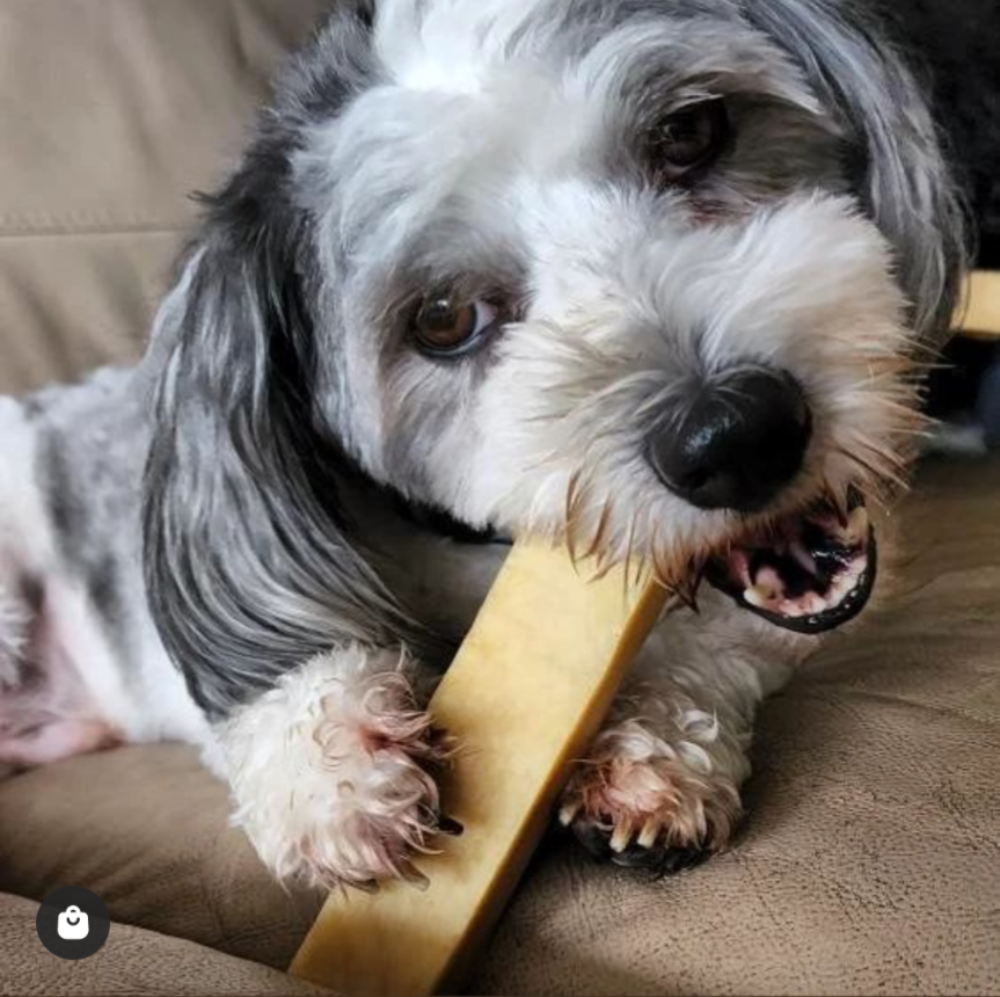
(484, 265)
(75, 607)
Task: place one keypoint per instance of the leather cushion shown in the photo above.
(132, 961)
(111, 114)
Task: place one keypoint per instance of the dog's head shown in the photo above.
(651, 275)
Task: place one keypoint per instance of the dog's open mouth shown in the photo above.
(809, 572)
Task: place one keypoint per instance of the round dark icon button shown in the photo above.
(73, 923)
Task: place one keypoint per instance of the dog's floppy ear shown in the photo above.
(900, 172)
(249, 563)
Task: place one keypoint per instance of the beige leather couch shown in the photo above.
(871, 860)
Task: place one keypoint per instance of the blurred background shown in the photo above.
(956, 45)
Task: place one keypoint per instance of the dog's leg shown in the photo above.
(49, 711)
(331, 771)
(661, 785)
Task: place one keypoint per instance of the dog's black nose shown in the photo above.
(737, 444)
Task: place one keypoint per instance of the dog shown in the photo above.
(654, 278)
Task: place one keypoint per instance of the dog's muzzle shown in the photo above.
(737, 445)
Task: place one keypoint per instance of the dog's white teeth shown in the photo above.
(621, 838)
(759, 597)
(813, 604)
(650, 833)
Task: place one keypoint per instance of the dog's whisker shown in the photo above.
(600, 532)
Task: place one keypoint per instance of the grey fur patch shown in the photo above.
(250, 563)
(901, 174)
(92, 442)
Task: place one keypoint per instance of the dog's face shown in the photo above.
(646, 274)
(599, 270)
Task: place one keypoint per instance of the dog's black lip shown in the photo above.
(848, 609)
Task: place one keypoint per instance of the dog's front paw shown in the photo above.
(332, 773)
(638, 802)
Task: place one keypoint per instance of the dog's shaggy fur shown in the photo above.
(260, 501)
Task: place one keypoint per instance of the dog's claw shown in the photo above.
(450, 827)
(415, 878)
(649, 851)
(568, 814)
(650, 832)
(621, 838)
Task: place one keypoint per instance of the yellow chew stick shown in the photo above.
(981, 316)
(524, 696)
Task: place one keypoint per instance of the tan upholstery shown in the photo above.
(871, 861)
(146, 829)
(111, 114)
(133, 961)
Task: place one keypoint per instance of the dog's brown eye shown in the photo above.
(688, 139)
(445, 325)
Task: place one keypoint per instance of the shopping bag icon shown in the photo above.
(73, 924)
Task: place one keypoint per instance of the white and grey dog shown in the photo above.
(651, 276)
